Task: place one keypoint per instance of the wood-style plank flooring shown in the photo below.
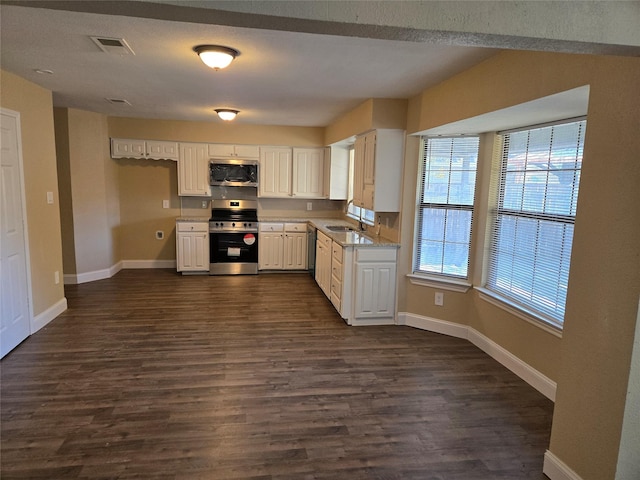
(153, 375)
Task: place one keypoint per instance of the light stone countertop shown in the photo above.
(346, 239)
(192, 219)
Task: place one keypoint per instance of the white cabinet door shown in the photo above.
(151, 149)
(127, 148)
(336, 172)
(158, 150)
(375, 283)
(308, 173)
(369, 170)
(323, 263)
(295, 251)
(192, 248)
(275, 172)
(223, 150)
(193, 170)
(270, 251)
(358, 171)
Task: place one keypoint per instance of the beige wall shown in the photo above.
(144, 184)
(215, 132)
(38, 151)
(591, 362)
(90, 209)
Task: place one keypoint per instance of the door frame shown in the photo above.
(23, 201)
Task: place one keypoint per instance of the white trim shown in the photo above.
(49, 314)
(371, 321)
(433, 325)
(518, 311)
(443, 283)
(556, 469)
(148, 264)
(526, 372)
(74, 279)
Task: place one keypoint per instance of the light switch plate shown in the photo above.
(50, 198)
(165, 203)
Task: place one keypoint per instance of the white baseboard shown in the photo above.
(533, 377)
(556, 469)
(148, 264)
(74, 279)
(49, 314)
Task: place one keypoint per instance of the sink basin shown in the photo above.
(340, 228)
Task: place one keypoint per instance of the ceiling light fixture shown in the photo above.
(216, 56)
(227, 114)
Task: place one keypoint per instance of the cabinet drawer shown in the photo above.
(336, 252)
(193, 226)
(295, 227)
(375, 255)
(271, 227)
(336, 270)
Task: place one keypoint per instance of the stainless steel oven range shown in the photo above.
(233, 237)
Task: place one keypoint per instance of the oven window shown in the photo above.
(234, 247)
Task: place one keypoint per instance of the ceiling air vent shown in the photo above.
(118, 101)
(114, 46)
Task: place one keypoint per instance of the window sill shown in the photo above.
(520, 312)
(449, 284)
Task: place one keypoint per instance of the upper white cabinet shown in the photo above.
(193, 170)
(308, 173)
(378, 159)
(297, 172)
(275, 172)
(222, 150)
(152, 149)
(336, 172)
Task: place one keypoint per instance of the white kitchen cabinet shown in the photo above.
(323, 263)
(336, 172)
(193, 170)
(295, 246)
(282, 246)
(308, 173)
(378, 159)
(275, 172)
(222, 150)
(192, 246)
(151, 149)
(287, 172)
(374, 284)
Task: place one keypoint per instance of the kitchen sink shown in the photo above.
(340, 228)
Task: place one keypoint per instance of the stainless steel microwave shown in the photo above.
(233, 172)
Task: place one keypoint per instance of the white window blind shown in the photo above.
(532, 229)
(445, 205)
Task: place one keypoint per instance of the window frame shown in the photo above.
(499, 296)
(447, 281)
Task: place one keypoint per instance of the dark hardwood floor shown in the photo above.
(153, 375)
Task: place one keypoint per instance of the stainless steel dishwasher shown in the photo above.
(311, 249)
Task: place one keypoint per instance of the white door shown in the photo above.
(14, 302)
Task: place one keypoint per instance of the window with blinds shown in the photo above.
(445, 205)
(532, 229)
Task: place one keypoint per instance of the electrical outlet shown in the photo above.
(165, 203)
(56, 277)
(204, 204)
(159, 235)
(439, 299)
(50, 198)
(309, 205)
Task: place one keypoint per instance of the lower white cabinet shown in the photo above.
(282, 246)
(192, 246)
(359, 281)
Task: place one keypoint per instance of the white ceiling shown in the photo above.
(280, 78)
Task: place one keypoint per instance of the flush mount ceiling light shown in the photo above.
(227, 114)
(216, 56)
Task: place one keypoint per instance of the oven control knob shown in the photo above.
(233, 224)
